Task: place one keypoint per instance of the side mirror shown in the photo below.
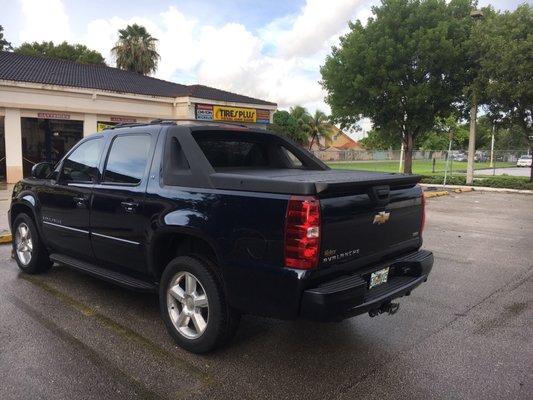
(41, 170)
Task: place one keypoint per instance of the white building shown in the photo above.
(47, 105)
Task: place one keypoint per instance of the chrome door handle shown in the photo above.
(129, 206)
(80, 201)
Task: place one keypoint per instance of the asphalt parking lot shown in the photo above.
(465, 334)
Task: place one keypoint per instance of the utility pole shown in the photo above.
(477, 16)
(492, 147)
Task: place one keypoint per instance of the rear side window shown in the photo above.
(82, 164)
(127, 159)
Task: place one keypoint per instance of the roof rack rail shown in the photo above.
(175, 121)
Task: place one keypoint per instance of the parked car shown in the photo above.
(524, 161)
(222, 220)
(458, 157)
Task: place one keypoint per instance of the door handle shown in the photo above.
(129, 206)
(80, 201)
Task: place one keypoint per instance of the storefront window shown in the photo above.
(47, 140)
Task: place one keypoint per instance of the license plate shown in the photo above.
(379, 277)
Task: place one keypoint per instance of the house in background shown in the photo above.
(342, 141)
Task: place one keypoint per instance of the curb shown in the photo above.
(5, 238)
(429, 195)
(475, 188)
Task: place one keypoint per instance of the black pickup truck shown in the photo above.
(222, 220)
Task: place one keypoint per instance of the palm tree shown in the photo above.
(319, 127)
(136, 50)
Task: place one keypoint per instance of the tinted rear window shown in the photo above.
(255, 151)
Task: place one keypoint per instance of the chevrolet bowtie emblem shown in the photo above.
(381, 217)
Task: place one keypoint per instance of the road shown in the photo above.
(465, 334)
(513, 171)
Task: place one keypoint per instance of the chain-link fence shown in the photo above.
(426, 162)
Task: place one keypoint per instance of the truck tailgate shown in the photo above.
(370, 223)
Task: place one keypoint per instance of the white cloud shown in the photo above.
(318, 22)
(44, 20)
(278, 63)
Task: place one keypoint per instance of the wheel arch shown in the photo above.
(178, 241)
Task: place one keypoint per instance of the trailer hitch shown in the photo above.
(389, 308)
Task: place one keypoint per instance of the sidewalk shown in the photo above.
(5, 200)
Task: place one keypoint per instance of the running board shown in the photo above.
(105, 274)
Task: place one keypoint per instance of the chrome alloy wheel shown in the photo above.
(23, 244)
(188, 306)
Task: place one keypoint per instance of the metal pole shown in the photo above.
(400, 168)
(492, 148)
(447, 160)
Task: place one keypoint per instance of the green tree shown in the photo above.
(4, 44)
(320, 127)
(380, 141)
(402, 70)
(284, 124)
(65, 51)
(507, 66)
(136, 50)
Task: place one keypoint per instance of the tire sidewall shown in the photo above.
(217, 319)
(36, 263)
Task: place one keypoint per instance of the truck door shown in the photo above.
(118, 221)
(65, 201)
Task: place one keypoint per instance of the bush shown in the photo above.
(507, 182)
(439, 179)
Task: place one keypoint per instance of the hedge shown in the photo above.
(500, 181)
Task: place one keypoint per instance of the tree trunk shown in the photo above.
(408, 154)
(312, 142)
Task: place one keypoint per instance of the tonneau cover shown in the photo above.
(307, 182)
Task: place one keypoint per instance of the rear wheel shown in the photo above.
(30, 253)
(193, 305)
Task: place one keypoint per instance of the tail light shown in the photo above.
(423, 222)
(302, 232)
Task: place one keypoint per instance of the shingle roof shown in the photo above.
(50, 71)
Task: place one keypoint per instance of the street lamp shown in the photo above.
(477, 16)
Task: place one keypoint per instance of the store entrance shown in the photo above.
(47, 140)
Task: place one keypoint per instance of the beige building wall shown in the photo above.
(23, 99)
(13, 139)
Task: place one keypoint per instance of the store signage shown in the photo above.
(123, 119)
(44, 115)
(206, 112)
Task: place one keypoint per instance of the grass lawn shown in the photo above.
(421, 167)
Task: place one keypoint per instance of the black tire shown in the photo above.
(222, 321)
(39, 261)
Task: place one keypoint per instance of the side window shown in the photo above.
(127, 159)
(82, 164)
(178, 160)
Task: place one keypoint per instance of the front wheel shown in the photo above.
(29, 251)
(193, 305)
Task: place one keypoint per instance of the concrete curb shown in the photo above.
(5, 238)
(476, 188)
(429, 195)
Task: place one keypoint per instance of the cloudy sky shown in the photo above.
(271, 49)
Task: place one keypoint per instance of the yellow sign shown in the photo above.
(100, 126)
(236, 114)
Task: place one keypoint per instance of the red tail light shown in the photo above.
(302, 232)
(423, 222)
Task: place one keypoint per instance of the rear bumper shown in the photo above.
(348, 295)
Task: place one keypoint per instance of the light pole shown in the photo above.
(476, 15)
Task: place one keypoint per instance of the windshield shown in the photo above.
(526, 157)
